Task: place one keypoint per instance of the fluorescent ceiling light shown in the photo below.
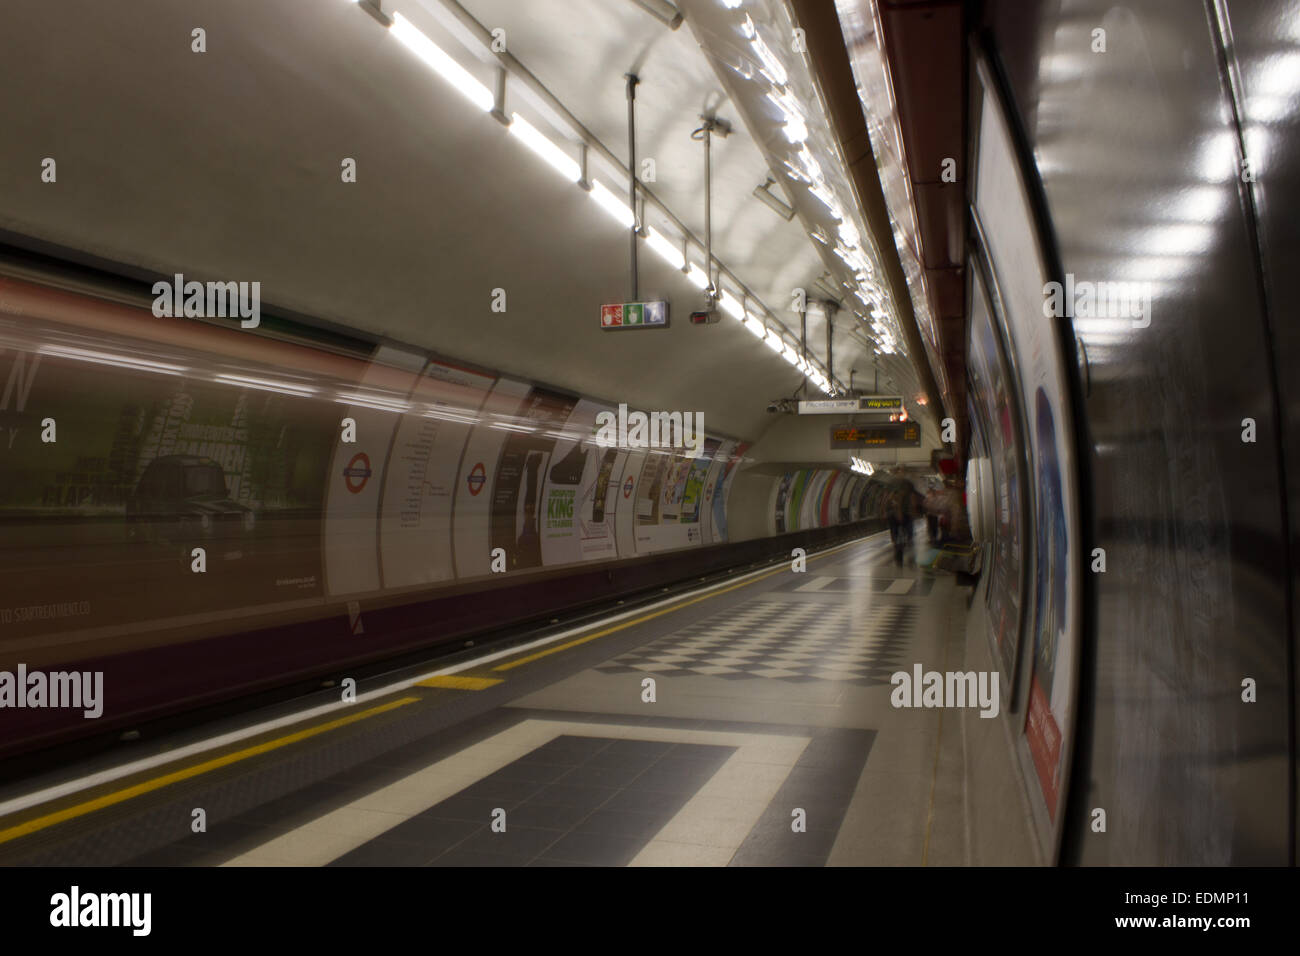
(697, 277)
(670, 253)
(443, 65)
(774, 341)
(732, 306)
(612, 204)
(755, 326)
(557, 158)
(765, 196)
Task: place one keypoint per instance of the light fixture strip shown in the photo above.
(486, 100)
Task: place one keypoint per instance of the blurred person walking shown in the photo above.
(900, 511)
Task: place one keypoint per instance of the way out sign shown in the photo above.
(634, 315)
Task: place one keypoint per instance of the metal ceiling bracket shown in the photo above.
(803, 342)
(372, 7)
(705, 133)
(831, 307)
(583, 181)
(499, 97)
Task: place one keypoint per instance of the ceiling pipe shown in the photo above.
(705, 133)
(831, 307)
(803, 343)
(631, 179)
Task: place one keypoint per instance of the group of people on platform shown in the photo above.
(943, 506)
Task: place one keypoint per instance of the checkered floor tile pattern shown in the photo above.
(892, 587)
(782, 640)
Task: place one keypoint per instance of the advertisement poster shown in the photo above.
(472, 501)
(673, 505)
(1014, 253)
(731, 453)
(852, 488)
(693, 492)
(810, 500)
(830, 491)
(355, 473)
(794, 504)
(420, 482)
(626, 518)
(991, 389)
(675, 489)
(578, 523)
(780, 495)
(649, 490)
(520, 511)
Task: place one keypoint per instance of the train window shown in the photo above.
(152, 481)
(205, 479)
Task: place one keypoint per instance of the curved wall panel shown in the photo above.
(1142, 155)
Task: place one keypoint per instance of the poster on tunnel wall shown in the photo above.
(355, 486)
(693, 488)
(579, 508)
(812, 498)
(1020, 274)
(781, 492)
(471, 512)
(717, 467)
(822, 509)
(732, 453)
(524, 467)
(794, 503)
(717, 463)
(626, 519)
(849, 492)
(415, 531)
(675, 485)
(992, 391)
(649, 490)
(830, 507)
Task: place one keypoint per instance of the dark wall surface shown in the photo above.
(1265, 35)
(1140, 155)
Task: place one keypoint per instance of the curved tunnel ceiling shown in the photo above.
(226, 165)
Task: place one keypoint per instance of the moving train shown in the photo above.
(201, 510)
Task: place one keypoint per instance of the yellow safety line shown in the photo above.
(459, 682)
(176, 776)
(650, 617)
(147, 786)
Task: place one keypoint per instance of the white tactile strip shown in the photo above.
(781, 640)
(707, 831)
